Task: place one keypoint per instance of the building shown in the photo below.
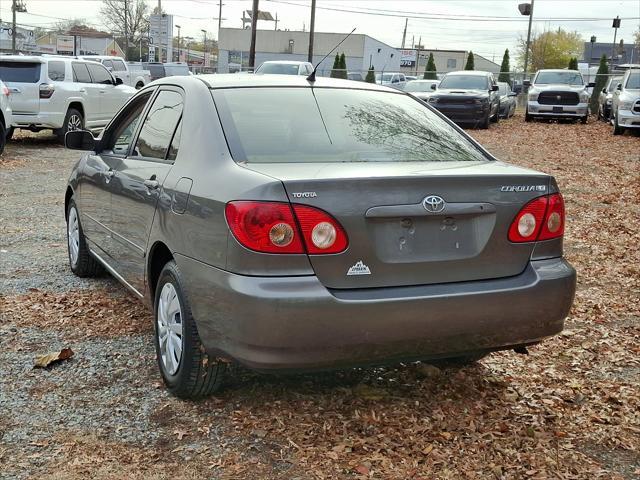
(628, 53)
(415, 61)
(80, 40)
(25, 40)
(361, 51)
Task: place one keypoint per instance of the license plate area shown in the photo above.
(558, 109)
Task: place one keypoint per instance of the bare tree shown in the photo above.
(64, 26)
(133, 19)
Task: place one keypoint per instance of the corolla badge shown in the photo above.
(433, 204)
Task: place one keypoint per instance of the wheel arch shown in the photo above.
(159, 255)
(78, 106)
(67, 198)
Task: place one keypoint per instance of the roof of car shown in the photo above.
(469, 72)
(285, 62)
(422, 80)
(233, 80)
(558, 70)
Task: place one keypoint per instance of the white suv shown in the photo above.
(625, 106)
(61, 94)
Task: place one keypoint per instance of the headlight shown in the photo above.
(433, 100)
(533, 96)
(626, 104)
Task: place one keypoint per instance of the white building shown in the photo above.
(25, 40)
(361, 51)
(445, 60)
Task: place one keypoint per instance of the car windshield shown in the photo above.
(464, 82)
(614, 84)
(320, 125)
(633, 82)
(386, 77)
(278, 68)
(417, 86)
(565, 78)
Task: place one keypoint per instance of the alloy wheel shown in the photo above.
(169, 328)
(73, 236)
(75, 123)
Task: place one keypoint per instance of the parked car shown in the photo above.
(625, 107)
(421, 88)
(5, 115)
(391, 79)
(558, 94)
(507, 100)
(61, 93)
(410, 78)
(281, 67)
(229, 214)
(355, 76)
(468, 97)
(170, 69)
(134, 77)
(606, 97)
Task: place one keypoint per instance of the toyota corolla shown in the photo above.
(293, 224)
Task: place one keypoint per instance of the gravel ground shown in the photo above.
(567, 410)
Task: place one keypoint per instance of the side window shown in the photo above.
(123, 134)
(108, 64)
(80, 72)
(159, 126)
(119, 66)
(175, 143)
(99, 74)
(56, 70)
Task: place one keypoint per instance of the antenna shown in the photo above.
(312, 76)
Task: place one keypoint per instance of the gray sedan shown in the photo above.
(290, 224)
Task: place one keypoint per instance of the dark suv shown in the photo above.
(468, 97)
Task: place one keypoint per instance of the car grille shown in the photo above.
(636, 107)
(558, 98)
(456, 100)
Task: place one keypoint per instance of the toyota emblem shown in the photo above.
(433, 204)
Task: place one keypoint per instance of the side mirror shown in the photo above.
(604, 90)
(619, 87)
(118, 81)
(495, 88)
(433, 86)
(591, 84)
(80, 140)
(527, 83)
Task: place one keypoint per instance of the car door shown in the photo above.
(108, 105)
(99, 179)
(87, 90)
(140, 178)
(120, 70)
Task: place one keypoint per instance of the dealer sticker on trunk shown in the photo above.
(359, 269)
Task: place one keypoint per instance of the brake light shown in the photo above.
(5, 91)
(46, 90)
(540, 219)
(322, 233)
(276, 227)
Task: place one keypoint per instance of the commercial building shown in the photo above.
(25, 40)
(79, 40)
(361, 51)
(627, 53)
(414, 61)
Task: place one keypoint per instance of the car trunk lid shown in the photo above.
(395, 239)
(22, 77)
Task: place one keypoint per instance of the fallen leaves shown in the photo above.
(43, 361)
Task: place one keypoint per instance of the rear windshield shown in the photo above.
(22, 72)
(564, 78)
(303, 125)
(465, 82)
(633, 82)
(278, 68)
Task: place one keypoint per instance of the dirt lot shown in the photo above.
(570, 409)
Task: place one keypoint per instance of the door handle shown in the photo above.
(82, 90)
(103, 91)
(151, 184)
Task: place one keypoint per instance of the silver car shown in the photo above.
(507, 100)
(605, 98)
(558, 94)
(296, 225)
(625, 106)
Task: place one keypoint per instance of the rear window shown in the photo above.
(99, 74)
(56, 70)
(176, 70)
(301, 125)
(20, 72)
(278, 69)
(119, 66)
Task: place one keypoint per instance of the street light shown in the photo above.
(615, 26)
(178, 27)
(593, 40)
(527, 9)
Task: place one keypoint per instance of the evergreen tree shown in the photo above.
(430, 69)
(573, 63)
(371, 75)
(469, 65)
(336, 67)
(343, 67)
(505, 68)
(601, 80)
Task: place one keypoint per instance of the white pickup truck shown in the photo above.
(120, 69)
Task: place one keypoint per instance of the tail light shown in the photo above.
(46, 90)
(540, 219)
(5, 91)
(275, 227)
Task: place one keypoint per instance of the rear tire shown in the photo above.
(9, 133)
(187, 370)
(484, 125)
(73, 120)
(584, 119)
(139, 85)
(80, 260)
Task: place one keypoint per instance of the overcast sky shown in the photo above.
(384, 19)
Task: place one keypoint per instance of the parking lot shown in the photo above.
(570, 409)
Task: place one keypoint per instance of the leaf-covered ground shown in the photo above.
(569, 410)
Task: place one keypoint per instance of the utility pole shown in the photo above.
(404, 34)
(178, 27)
(126, 30)
(311, 29)
(276, 22)
(616, 26)
(204, 47)
(219, 17)
(527, 9)
(16, 6)
(254, 27)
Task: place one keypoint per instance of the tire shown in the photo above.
(9, 133)
(484, 125)
(73, 120)
(617, 129)
(139, 85)
(584, 119)
(190, 373)
(527, 117)
(3, 138)
(80, 260)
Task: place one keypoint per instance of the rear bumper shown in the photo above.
(295, 323)
(568, 111)
(39, 120)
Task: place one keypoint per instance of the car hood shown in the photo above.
(460, 92)
(559, 87)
